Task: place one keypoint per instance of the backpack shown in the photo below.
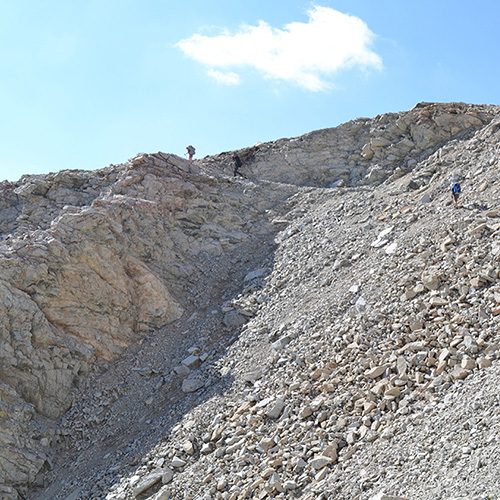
(455, 189)
(191, 150)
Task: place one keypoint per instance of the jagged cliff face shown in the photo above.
(90, 262)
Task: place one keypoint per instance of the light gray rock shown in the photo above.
(147, 482)
(192, 362)
(376, 371)
(382, 238)
(320, 462)
(190, 385)
(234, 319)
(177, 463)
(182, 370)
(255, 274)
(276, 408)
(168, 475)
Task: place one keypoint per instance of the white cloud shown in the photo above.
(302, 53)
(229, 78)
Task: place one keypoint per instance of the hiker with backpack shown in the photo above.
(237, 165)
(455, 192)
(190, 151)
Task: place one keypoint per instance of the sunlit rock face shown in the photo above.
(92, 261)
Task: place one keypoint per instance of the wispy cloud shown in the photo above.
(306, 54)
(228, 78)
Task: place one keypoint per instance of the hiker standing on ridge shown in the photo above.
(237, 166)
(455, 192)
(190, 152)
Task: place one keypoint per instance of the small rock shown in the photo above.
(290, 485)
(305, 412)
(391, 249)
(275, 482)
(431, 282)
(394, 391)
(178, 462)
(382, 238)
(147, 482)
(351, 438)
(484, 362)
(163, 494)
(182, 370)
(276, 409)
(188, 447)
(192, 362)
(438, 301)
(459, 373)
(360, 304)
(233, 319)
(331, 451)
(468, 363)
(268, 472)
(376, 372)
(320, 462)
(192, 385)
(401, 365)
(207, 448)
(383, 496)
(221, 484)
(168, 475)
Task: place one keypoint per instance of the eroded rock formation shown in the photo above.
(92, 261)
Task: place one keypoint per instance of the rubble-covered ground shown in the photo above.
(348, 350)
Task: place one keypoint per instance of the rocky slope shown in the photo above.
(326, 328)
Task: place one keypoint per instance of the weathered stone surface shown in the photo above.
(192, 385)
(234, 319)
(276, 408)
(147, 482)
(8, 493)
(192, 362)
(297, 365)
(320, 462)
(376, 371)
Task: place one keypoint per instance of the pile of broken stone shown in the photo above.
(357, 360)
(369, 364)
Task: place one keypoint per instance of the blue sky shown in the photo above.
(88, 83)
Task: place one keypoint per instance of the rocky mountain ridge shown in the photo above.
(291, 322)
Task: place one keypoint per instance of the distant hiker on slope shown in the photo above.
(455, 192)
(190, 152)
(237, 165)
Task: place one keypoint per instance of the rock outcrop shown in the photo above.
(90, 262)
(378, 298)
(363, 151)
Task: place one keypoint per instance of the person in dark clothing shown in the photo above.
(237, 165)
(455, 192)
